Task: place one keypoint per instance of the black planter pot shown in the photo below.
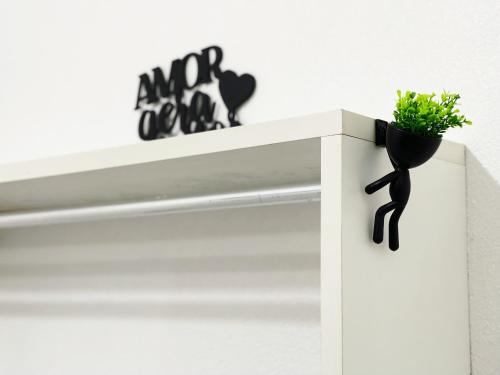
(406, 150)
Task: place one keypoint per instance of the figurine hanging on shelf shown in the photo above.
(399, 190)
(410, 141)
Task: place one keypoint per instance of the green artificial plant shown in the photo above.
(425, 115)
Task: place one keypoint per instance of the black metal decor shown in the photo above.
(406, 150)
(162, 104)
(235, 90)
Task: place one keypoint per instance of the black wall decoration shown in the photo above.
(406, 150)
(162, 101)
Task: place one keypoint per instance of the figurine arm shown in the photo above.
(380, 183)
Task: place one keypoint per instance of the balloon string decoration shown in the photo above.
(235, 91)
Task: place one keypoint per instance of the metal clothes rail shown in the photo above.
(296, 194)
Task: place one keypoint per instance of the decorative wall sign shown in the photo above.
(177, 106)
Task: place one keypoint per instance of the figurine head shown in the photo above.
(408, 150)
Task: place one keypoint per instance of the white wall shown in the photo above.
(164, 295)
(68, 80)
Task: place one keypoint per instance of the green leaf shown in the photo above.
(427, 115)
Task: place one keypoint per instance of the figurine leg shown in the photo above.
(378, 226)
(393, 229)
(380, 183)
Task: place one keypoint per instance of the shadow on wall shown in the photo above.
(249, 264)
(483, 211)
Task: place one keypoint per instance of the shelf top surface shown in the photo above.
(252, 135)
(275, 153)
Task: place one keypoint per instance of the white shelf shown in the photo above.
(274, 154)
(260, 289)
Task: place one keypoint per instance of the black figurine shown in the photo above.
(406, 150)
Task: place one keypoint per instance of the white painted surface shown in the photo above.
(291, 163)
(244, 158)
(226, 292)
(68, 73)
(76, 65)
(404, 312)
(331, 256)
(346, 163)
(306, 129)
(483, 208)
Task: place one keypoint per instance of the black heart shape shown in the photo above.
(235, 90)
